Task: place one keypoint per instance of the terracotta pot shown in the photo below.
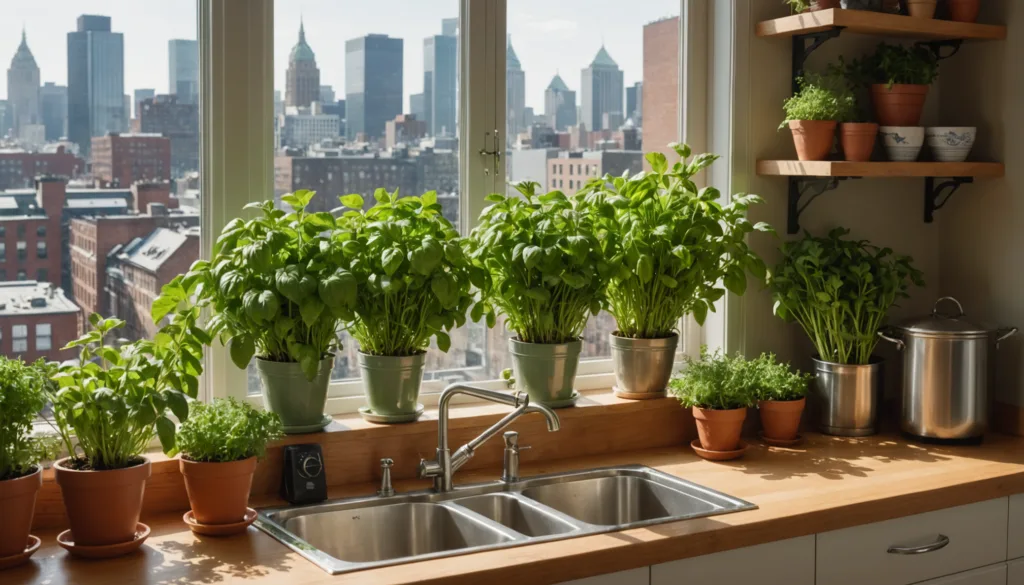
(823, 5)
(780, 419)
(218, 492)
(899, 105)
(922, 8)
(813, 138)
(103, 506)
(17, 506)
(719, 430)
(964, 10)
(858, 140)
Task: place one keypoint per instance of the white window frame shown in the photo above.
(48, 336)
(16, 339)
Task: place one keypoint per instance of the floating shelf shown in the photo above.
(877, 23)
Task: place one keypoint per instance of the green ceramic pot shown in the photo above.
(392, 383)
(298, 400)
(545, 371)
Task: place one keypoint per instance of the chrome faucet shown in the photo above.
(444, 467)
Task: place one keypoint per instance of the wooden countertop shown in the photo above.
(825, 484)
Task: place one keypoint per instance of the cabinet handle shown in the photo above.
(941, 542)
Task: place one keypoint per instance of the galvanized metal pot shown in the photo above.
(847, 396)
(297, 400)
(392, 383)
(545, 371)
(642, 366)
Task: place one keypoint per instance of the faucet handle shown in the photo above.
(511, 440)
(522, 399)
(386, 489)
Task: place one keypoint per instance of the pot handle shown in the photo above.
(1004, 334)
(899, 342)
(935, 308)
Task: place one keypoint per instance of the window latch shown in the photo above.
(496, 153)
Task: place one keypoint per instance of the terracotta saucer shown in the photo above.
(105, 551)
(718, 455)
(781, 442)
(220, 529)
(14, 560)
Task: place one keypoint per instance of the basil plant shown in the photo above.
(538, 262)
(669, 246)
(412, 274)
(278, 286)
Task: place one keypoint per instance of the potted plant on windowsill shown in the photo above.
(278, 287)
(813, 113)
(111, 403)
(899, 78)
(220, 444)
(537, 260)
(840, 291)
(22, 397)
(413, 276)
(857, 135)
(781, 396)
(669, 245)
(718, 390)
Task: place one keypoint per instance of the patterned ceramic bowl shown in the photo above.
(902, 143)
(951, 143)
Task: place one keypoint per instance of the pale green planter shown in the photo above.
(298, 400)
(392, 383)
(545, 371)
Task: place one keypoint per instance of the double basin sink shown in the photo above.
(361, 533)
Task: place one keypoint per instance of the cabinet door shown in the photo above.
(1015, 572)
(786, 562)
(992, 575)
(641, 576)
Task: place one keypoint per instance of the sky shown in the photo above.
(548, 36)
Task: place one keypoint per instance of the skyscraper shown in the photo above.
(440, 77)
(53, 110)
(515, 93)
(559, 104)
(373, 84)
(139, 96)
(635, 102)
(183, 70)
(302, 79)
(660, 100)
(450, 27)
(327, 95)
(601, 88)
(23, 88)
(95, 81)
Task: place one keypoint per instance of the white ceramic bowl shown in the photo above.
(902, 143)
(951, 143)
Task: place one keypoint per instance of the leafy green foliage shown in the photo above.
(715, 382)
(774, 380)
(407, 261)
(537, 260)
(227, 430)
(114, 399)
(839, 291)
(798, 6)
(22, 395)
(820, 98)
(278, 286)
(667, 245)
(891, 64)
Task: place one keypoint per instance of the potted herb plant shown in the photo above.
(219, 444)
(22, 397)
(279, 288)
(798, 6)
(964, 10)
(857, 134)
(414, 281)
(899, 77)
(110, 404)
(781, 395)
(669, 246)
(812, 114)
(537, 261)
(922, 8)
(840, 291)
(718, 389)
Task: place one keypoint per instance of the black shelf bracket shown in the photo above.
(812, 187)
(937, 196)
(801, 50)
(937, 47)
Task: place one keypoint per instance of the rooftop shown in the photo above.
(29, 297)
(152, 251)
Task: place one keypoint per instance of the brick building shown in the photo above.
(404, 129)
(178, 121)
(30, 234)
(118, 160)
(571, 170)
(36, 320)
(18, 169)
(660, 96)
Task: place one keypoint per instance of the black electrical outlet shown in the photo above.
(304, 480)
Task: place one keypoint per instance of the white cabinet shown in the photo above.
(992, 575)
(1015, 540)
(1015, 572)
(641, 576)
(787, 562)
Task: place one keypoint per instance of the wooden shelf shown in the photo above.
(877, 23)
(795, 168)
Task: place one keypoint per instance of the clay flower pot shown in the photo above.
(899, 105)
(17, 506)
(218, 492)
(964, 10)
(858, 140)
(103, 506)
(922, 8)
(780, 419)
(719, 430)
(813, 138)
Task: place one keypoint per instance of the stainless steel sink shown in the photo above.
(360, 533)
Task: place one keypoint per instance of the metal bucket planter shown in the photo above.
(392, 383)
(847, 397)
(546, 371)
(643, 367)
(298, 400)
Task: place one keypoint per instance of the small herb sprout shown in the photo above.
(774, 380)
(714, 382)
(227, 430)
(892, 64)
(821, 98)
(798, 6)
(22, 396)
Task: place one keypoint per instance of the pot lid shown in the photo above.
(947, 320)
